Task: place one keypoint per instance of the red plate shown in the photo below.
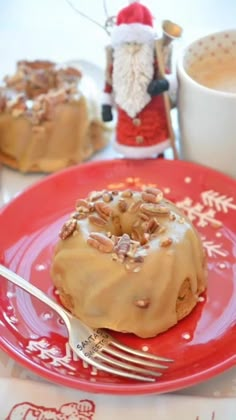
(202, 345)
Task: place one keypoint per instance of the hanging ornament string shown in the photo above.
(105, 9)
(110, 20)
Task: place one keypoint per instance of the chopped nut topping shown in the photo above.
(97, 220)
(45, 86)
(150, 197)
(154, 209)
(127, 194)
(144, 225)
(123, 246)
(122, 205)
(162, 229)
(116, 224)
(103, 210)
(152, 225)
(95, 195)
(68, 228)
(166, 242)
(100, 242)
(172, 216)
(82, 204)
(82, 209)
(136, 224)
(133, 248)
(158, 193)
(134, 207)
(135, 235)
(78, 216)
(143, 216)
(17, 106)
(141, 237)
(145, 238)
(107, 197)
(142, 303)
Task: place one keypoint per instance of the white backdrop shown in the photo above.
(52, 29)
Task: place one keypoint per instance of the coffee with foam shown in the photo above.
(215, 72)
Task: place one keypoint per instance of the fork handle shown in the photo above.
(34, 291)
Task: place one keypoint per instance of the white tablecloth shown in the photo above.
(32, 398)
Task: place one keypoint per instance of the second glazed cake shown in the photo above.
(46, 123)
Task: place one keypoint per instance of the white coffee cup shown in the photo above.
(206, 71)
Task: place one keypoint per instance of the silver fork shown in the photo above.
(96, 346)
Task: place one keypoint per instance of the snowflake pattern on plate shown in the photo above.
(205, 213)
(52, 354)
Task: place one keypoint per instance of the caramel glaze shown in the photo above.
(70, 138)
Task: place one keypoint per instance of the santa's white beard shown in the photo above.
(133, 69)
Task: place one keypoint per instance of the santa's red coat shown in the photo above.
(147, 129)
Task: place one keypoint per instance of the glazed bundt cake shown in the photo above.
(46, 122)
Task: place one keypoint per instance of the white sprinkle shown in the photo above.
(187, 180)
(94, 371)
(56, 292)
(145, 348)
(201, 299)
(222, 265)
(186, 336)
(218, 234)
(9, 307)
(85, 364)
(40, 267)
(13, 319)
(47, 315)
(10, 294)
(166, 190)
(93, 380)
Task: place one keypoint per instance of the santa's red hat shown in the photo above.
(134, 23)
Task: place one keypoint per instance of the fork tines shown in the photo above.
(130, 363)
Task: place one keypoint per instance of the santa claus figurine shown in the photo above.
(134, 86)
